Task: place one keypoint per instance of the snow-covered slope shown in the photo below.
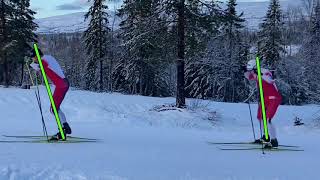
(69, 23)
(64, 23)
(253, 12)
(140, 143)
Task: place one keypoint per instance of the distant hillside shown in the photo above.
(67, 23)
(253, 12)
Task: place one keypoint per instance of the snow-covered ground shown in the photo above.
(140, 143)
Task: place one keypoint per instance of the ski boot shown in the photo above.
(261, 140)
(272, 144)
(66, 129)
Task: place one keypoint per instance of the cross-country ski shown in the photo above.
(245, 143)
(265, 149)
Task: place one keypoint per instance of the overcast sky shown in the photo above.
(47, 8)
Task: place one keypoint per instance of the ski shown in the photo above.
(248, 143)
(47, 141)
(257, 148)
(45, 137)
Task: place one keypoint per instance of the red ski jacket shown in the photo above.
(270, 89)
(53, 71)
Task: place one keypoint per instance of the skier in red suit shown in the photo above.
(272, 100)
(55, 73)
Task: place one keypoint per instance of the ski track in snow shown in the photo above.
(139, 143)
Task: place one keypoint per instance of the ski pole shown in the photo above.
(44, 128)
(45, 132)
(261, 137)
(253, 131)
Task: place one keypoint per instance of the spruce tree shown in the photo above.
(236, 53)
(23, 33)
(143, 65)
(6, 40)
(220, 68)
(156, 33)
(270, 36)
(196, 20)
(311, 54)
(96, 39)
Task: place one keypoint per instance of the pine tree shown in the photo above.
(220, 68)
(96, 38)
(16, 32)
(157, 32)
(143, 65)
(236, 51)
(311, 54)
(23, 32)
(195, 21)
(6, 41)
(180, 100)
(270, 37)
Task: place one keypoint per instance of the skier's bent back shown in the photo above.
(272, 100)
(56, 75)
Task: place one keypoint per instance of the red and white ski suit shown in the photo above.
(272, 97)
(56, 75)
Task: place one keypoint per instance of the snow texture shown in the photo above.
(142, 141)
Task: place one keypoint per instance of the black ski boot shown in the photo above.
(66, 129)
(56, 137)
(262, 140)
(272, 144)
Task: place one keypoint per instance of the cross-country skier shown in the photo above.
(56, 75)
(272, 100)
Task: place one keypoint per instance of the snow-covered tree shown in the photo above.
(143, 31)
(270, 36)
(292, 81)
(236, 51)
(196, 21)
(23, 33)
(16, 31)
(311, 54)
(6, 41)
(219, 74)
(96, 38)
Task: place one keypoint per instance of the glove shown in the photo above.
(35, 66)
(244, 68)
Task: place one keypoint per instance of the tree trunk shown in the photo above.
(3, 41)
(110, 86)
(141, 83)
(6, 71)
(180, 99)
(22, 73)
(101, 74)
(101, 61)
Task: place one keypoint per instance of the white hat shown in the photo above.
(252, 64)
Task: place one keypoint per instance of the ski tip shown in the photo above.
(264, 149)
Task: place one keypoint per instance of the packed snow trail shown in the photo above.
(142, 144)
